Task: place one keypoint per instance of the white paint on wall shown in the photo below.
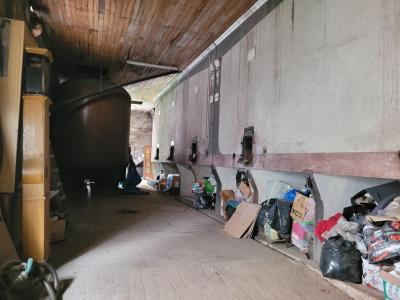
(251, 54)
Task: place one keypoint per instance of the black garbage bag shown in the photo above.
(275, 213)
(132, 178)
(266, 214)
(357, 213)
(282, 221)
(341, 260)
(203, 201)
(382, 194)
(242, 175)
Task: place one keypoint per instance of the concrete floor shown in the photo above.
(157, 248)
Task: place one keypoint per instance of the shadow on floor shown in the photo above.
(106, 217)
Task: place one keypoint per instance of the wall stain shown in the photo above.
(292, 15)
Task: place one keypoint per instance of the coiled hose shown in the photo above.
(19, 278)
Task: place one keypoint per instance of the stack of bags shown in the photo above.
(381, 265)
(289, 218)
(362, 245)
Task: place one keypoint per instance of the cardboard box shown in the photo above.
(303, 209)
(242, 222)
(391, 285)
(57, 229)
(7, 249)
(372, 275)
(162, 185)
(176, 182)
(227, 195)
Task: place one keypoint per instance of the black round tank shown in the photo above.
(90, 137)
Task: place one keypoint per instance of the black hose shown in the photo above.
(53, 273)
(50, 290)
(11, 266)
(22, 283)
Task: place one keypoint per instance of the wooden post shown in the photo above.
(35, 177)
(147, 166)
(10, 103)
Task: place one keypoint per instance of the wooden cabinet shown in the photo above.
(35, 177)
(10, 102)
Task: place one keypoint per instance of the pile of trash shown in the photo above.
(204, 193)
(288, 216)
(362, 244)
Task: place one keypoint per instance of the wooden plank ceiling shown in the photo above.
(169, 32)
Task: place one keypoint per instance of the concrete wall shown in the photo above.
(181, 115)
(169, 168)
(140, 132)
(336, 191)
(325, 81)
(265, 182)
(324, 78)
(227, 177)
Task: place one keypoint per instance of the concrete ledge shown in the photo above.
(355, 291)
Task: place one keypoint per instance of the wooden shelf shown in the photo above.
(40, 51)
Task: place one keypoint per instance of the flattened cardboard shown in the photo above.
(390, 278)
(242, 221)
(373, 219)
